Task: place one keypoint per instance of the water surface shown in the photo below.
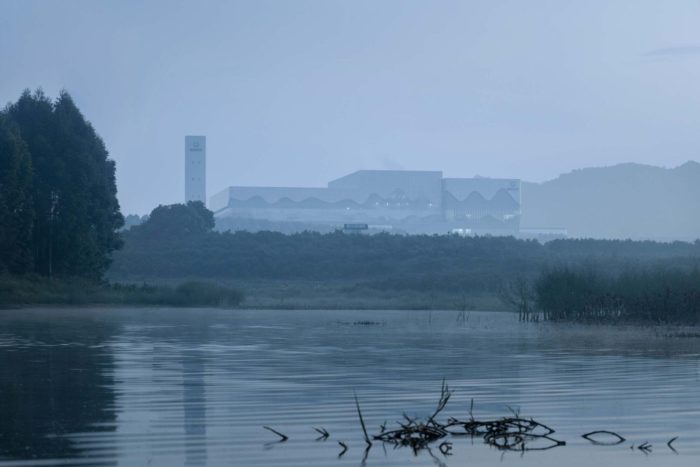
(194, 387)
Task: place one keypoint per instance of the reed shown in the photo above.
(647, 295)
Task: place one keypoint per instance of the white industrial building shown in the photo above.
(400, 200)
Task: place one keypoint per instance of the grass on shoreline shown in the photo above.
(261, 294)
(33, 290)
(279, 294)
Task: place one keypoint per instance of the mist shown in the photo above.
(299, 93)
(366, 232)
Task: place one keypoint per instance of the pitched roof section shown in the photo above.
(411, 184)
(488, 188)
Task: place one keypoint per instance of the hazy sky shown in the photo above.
(296, 93)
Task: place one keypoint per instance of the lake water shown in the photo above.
(194, 387)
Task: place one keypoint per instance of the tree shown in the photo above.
(16, 210)
(73, 187)
(33, 116)
(177, 220)
(89, 212)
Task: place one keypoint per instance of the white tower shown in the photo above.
(196, 169)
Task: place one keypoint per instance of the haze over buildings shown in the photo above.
(303, 92)
(622, 201)
(393, 200)
(407, 201)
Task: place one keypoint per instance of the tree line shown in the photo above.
(59, 212)
(179, 241)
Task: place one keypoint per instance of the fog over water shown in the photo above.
(194, 387)
(299, 93)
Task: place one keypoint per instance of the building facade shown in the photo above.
(394, 200)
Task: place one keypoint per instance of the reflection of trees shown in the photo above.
(55, 379)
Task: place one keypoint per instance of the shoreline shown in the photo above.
(20, 291)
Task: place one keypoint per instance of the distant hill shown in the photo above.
(623, 201)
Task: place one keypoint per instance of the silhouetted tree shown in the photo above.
(16, 209)
(73, 187)
(176, 220)
(89, 210)
(33, 115)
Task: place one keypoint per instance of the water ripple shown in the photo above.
(194, 387)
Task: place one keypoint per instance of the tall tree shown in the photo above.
(16, 209)
(89, 210)
(33, 115)
(74, 187)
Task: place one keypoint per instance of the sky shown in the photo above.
(297, 93)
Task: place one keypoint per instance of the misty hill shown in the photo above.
(623, 201)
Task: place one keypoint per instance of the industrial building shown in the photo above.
(392, 200)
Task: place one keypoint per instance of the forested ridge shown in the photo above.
(621, 201)
(59, 212)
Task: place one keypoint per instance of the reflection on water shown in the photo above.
(194, 406)
(194, 387)
(55, 380)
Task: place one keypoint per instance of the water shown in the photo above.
(194, 387)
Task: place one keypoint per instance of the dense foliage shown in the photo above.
(177, 242)
(178, 220)
(16, 209)
(651, 294)
(58, 207)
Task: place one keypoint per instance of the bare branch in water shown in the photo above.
(362, 422)
(591, 437)
(283, 436)
(670, 442)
